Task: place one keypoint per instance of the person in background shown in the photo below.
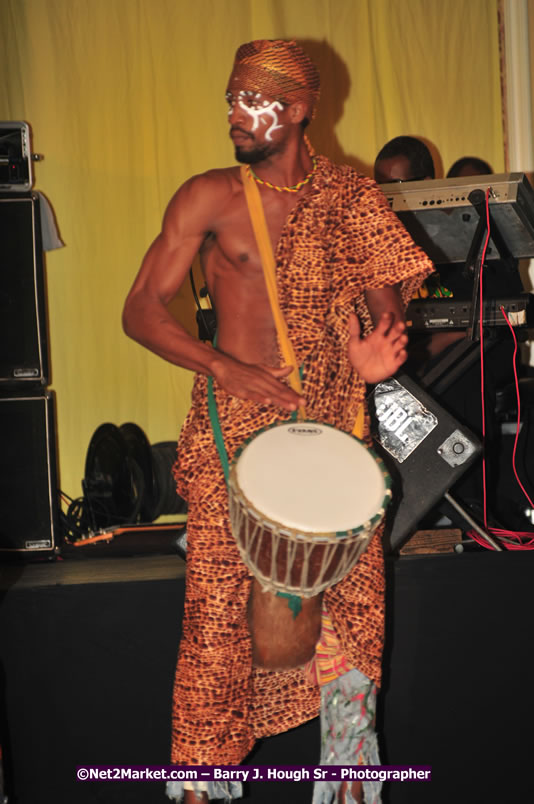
(404, 159)
(469, 166)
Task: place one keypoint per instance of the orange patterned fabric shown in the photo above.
(339, 239)
(279, 69)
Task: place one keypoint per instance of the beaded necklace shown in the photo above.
(294, 189)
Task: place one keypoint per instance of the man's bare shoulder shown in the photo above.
(204, 195)
(219, 181)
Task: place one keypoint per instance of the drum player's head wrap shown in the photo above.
(278, 69)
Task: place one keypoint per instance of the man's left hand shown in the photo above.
(382, 352)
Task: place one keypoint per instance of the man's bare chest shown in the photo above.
(233, 233)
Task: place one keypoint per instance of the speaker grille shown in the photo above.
(28, 486)
(23, 342)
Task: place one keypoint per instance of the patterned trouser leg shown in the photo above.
(348, 707)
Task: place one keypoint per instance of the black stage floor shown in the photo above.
(87, 655)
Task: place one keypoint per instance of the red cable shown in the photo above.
(518, 396)
(523, 539)
(481, 331)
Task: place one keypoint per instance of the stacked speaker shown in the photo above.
(29, 520)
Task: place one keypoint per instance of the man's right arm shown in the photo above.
(146, 319)
(165, 266)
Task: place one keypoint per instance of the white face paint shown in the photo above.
(252, 104)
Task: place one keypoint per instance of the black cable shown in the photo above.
(74, 520)
(206, 319)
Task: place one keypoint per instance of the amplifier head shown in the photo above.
(15, 157)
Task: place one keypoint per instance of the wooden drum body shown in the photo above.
(305, 500)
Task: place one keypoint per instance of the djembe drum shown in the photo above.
(305, 500)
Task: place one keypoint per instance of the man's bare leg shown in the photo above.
(190, 797)
(356, 791)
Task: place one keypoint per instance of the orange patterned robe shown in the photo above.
(340, 239)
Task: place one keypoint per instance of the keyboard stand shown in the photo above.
(466, 352)
(456, 360)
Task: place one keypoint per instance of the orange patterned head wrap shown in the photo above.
(279, 69)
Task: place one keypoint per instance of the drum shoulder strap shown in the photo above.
(263, 241)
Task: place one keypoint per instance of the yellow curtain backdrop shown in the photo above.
(126, 100)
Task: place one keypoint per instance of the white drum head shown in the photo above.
(312, 478)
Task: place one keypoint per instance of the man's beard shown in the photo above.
(252, 155)
(250, 152)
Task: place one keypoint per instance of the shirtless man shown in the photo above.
(209, 214)
(221, 703)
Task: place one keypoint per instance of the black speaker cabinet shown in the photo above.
(23, 338)
(424, 448)
(29, 509)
